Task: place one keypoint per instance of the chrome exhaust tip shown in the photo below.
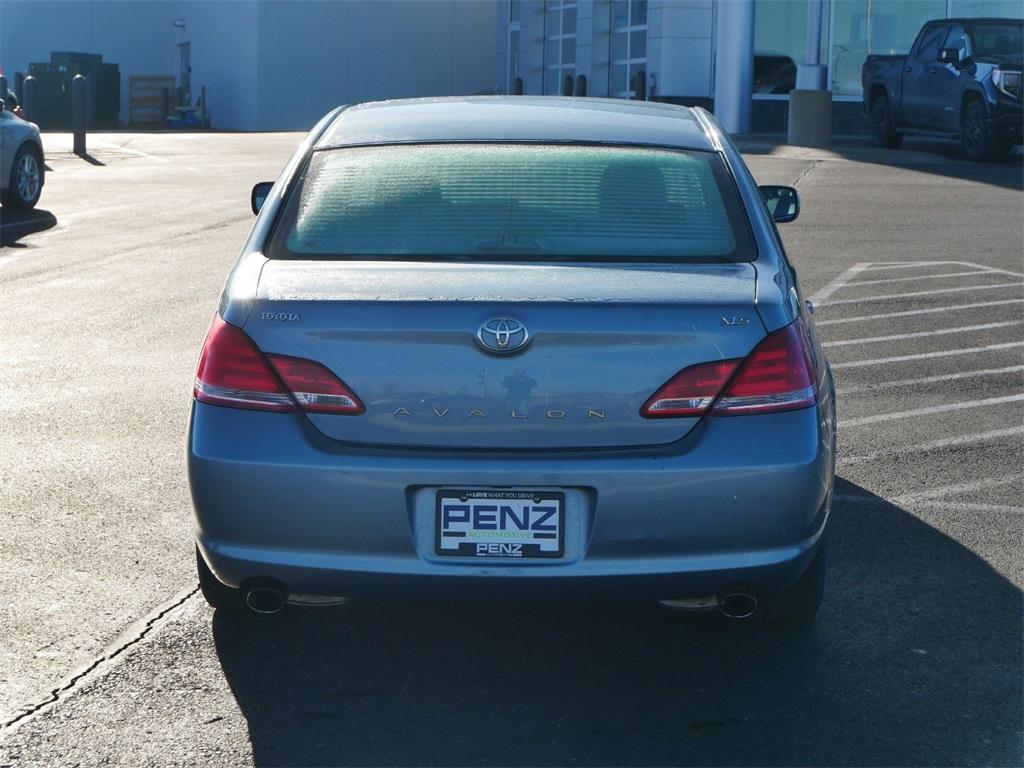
(737, 605)
(690, 604)
(266, 596)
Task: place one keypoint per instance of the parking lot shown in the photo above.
(913, 260)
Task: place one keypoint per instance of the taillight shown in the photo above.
(234, 372)
(315, 388)
(691, 391)
(777, 376)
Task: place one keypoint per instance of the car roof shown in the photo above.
(976, 20)
(553, 119)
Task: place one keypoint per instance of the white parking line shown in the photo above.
(909, 312)
(952, 506)
(932, 445)
(874, 266)
(983, 268)
(859, 283)
(949, 490)
(919, 334)
(145, 155)
(881, 265)
(972, 506)
(929, 411)
(927, 355)
(828, 289)
(890, 296)
(926, 380)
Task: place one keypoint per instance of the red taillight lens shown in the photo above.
(691, 391)
(315, 388)
(778, 375)
(232, 371)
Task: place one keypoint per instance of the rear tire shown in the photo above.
(799, 603)
(883, 129)
(974, 136)
(218, 595)
(25, 183)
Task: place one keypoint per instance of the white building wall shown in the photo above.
(272, 64)
(137, 36)
(313, 56)
(679, 48)
(224, 42)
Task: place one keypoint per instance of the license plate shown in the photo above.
(506, 524)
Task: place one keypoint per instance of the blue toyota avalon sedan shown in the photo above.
(515, 348)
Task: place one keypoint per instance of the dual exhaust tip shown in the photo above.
(736, 602)
(268, 596)
(265, 595)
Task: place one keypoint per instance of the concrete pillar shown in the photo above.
(810, 103)
(734, 64)
(810, 118)
(810, 76)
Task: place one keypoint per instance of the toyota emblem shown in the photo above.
(502, 334)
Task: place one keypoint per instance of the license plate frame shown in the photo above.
(503, 547)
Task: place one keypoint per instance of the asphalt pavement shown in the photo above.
(913, 260)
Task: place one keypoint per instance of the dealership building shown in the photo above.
(280, 64)
(267, 65)
(694, 51)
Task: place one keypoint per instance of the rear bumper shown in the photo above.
(744, 500)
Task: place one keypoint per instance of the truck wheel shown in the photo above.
(218, 595)
(26, 180)
(883, 129)
(799, 603)
(977, 143)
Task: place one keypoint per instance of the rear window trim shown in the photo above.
(747, 230)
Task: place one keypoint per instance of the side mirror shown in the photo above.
(950, 56)
(783, 203)
(260, 193)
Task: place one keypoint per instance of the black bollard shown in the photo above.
(30, 96)
(78, 113)
(3, 93)
(19, 85)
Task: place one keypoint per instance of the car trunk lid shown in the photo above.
(602, 339)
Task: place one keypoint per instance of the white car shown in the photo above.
(21, 161)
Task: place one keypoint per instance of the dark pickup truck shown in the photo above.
(962, 78)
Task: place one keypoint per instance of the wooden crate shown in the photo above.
(144, 98)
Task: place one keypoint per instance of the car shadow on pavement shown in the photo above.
(915, 659)
(16, 225)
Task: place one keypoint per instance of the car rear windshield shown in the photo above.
(489, 202)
